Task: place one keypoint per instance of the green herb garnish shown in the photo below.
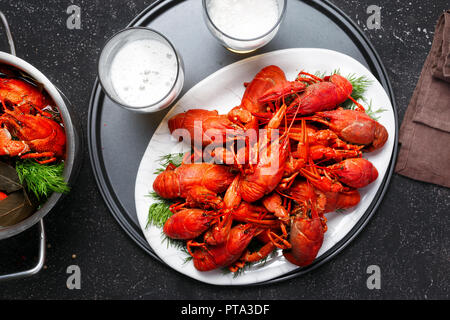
(373, 113)
(179, 244)
(360, 85)
(159, 211)
(158, 214)
(42, 180)
(175, 158)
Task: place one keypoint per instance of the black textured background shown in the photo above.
(407, 237)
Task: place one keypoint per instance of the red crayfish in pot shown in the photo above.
(43, 136)
(22, 95)
(27, 130)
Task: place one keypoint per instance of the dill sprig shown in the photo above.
(174, 158)
(158, 214)
(159, 211)
(374, 114)
(178, 244)
(158, 198)
(360, 85)
(42, 180)
(189, 258)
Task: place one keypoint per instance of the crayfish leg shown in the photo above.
(258, 255)
(37, 156)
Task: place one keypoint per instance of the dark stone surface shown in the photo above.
(407, 237)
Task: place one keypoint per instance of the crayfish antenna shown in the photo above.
(177, 206)
(313, 79)
(192, 243)
(359, 107)
(279, 241)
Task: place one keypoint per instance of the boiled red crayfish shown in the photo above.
(305, 161)
(10, 147)
(208, 257)
(341, 200)
(43, 136)
(320, 95)
(308, 226)
(304, 193)
(204, 121)
(354, 127)
(203, 126)
(197, 183)
(353, 173)
(272, 154)
(306, 238)
(22, 95)
(266, 80)
(188, 224)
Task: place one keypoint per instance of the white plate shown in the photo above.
(222, 91)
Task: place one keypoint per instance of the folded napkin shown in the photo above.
(425, 131)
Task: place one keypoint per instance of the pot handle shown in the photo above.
(8, 34)
(41, 260)
(39, 264)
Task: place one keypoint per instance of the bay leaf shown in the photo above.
(15, 208)
(9, 180)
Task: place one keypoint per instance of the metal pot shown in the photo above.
(73, 150)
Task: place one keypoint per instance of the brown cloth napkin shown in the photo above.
(425, 131)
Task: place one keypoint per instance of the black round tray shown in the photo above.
(118, 138)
